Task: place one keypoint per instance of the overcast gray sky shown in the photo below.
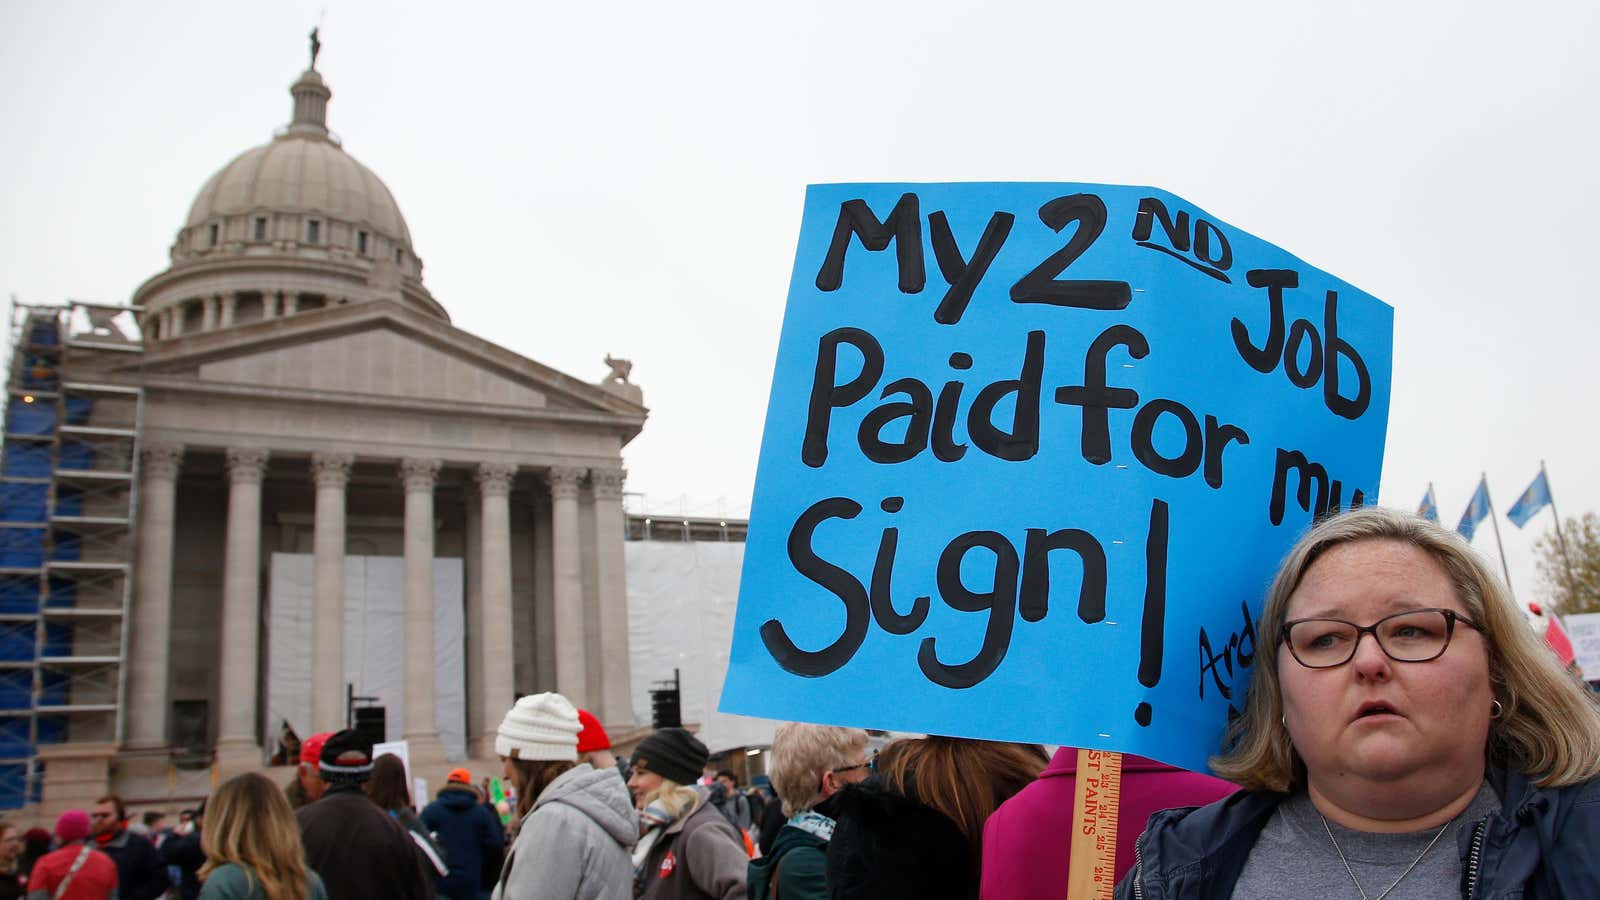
(627, 177)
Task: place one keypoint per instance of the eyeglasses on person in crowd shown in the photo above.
(1416, 635)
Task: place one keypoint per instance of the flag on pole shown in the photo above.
(1535, 498)
(1477, 510)
(1428, 508)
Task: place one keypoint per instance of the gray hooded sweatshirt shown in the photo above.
(576, 842)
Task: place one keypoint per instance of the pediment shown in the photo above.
(379, 350)
(376, 361)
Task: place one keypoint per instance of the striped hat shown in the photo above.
(346, 758)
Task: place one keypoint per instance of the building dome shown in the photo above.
(292, 225)
(301, 174)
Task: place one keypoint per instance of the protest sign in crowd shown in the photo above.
(1087, 517)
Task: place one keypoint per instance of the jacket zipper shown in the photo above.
(1138, 867)
(1473, 856)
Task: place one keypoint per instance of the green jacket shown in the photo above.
(799, 860)
(231, 882)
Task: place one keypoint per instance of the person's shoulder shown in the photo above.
(226, 882)
(1191, 829)
(98, 857)
(706, 815)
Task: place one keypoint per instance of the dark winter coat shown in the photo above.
(889, 847)
(466, 829)
(771, 820)
(141, 873)
(183, 851)
(360, 851)
(1539, 845)
(796, 867)
(700, 856)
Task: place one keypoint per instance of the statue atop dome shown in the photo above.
(316, 48)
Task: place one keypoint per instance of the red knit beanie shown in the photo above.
(72, 826)
(592, 737)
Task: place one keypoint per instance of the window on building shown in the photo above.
(399, 256)
(313, 231)
(215, 233)
(361, 243)
(261, 228)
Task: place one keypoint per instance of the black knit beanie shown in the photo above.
(346, 758)
(674, 754)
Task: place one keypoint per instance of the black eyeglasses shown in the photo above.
(1416, 635)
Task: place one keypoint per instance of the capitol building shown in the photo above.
(279, 489)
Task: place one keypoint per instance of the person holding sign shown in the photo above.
(1449, 753)
(1027, 842)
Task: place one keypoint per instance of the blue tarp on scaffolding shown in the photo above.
(25, 502)
(26, 460)
(21, 548)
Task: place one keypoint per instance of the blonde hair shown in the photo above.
(1549, 728)
(249, 824)
(802, 754)
(676, 799)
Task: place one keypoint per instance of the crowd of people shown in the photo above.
(1448, 756)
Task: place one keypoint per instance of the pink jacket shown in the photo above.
(1027, 841)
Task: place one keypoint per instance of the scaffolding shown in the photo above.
(68, 507)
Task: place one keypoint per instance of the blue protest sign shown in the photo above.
(1032, 454)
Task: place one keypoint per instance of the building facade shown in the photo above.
(300, 393)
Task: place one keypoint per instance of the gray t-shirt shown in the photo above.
(1293, 857)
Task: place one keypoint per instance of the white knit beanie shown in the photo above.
(540, 727)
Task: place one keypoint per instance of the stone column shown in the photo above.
(331, 472)
(291, 303)
(230, 304)
(150, 625)
(237, 746)
(473, 633)
(496, 690)
(208, 312)
(571, 659)
(178, 312)
(421, 731)
(616, 695)
(269, 304)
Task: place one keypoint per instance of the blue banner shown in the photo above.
(1032, 454)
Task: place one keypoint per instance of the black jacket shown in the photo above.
(1539, 845)
(889, 847)
(183, 851)
(141, 874)
(360, 851)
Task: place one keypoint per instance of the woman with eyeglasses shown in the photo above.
(1406, 735)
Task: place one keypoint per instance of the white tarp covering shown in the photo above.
(374, 644)
(681, 599)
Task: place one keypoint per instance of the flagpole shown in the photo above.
(1484, 477)
(1561, 541)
